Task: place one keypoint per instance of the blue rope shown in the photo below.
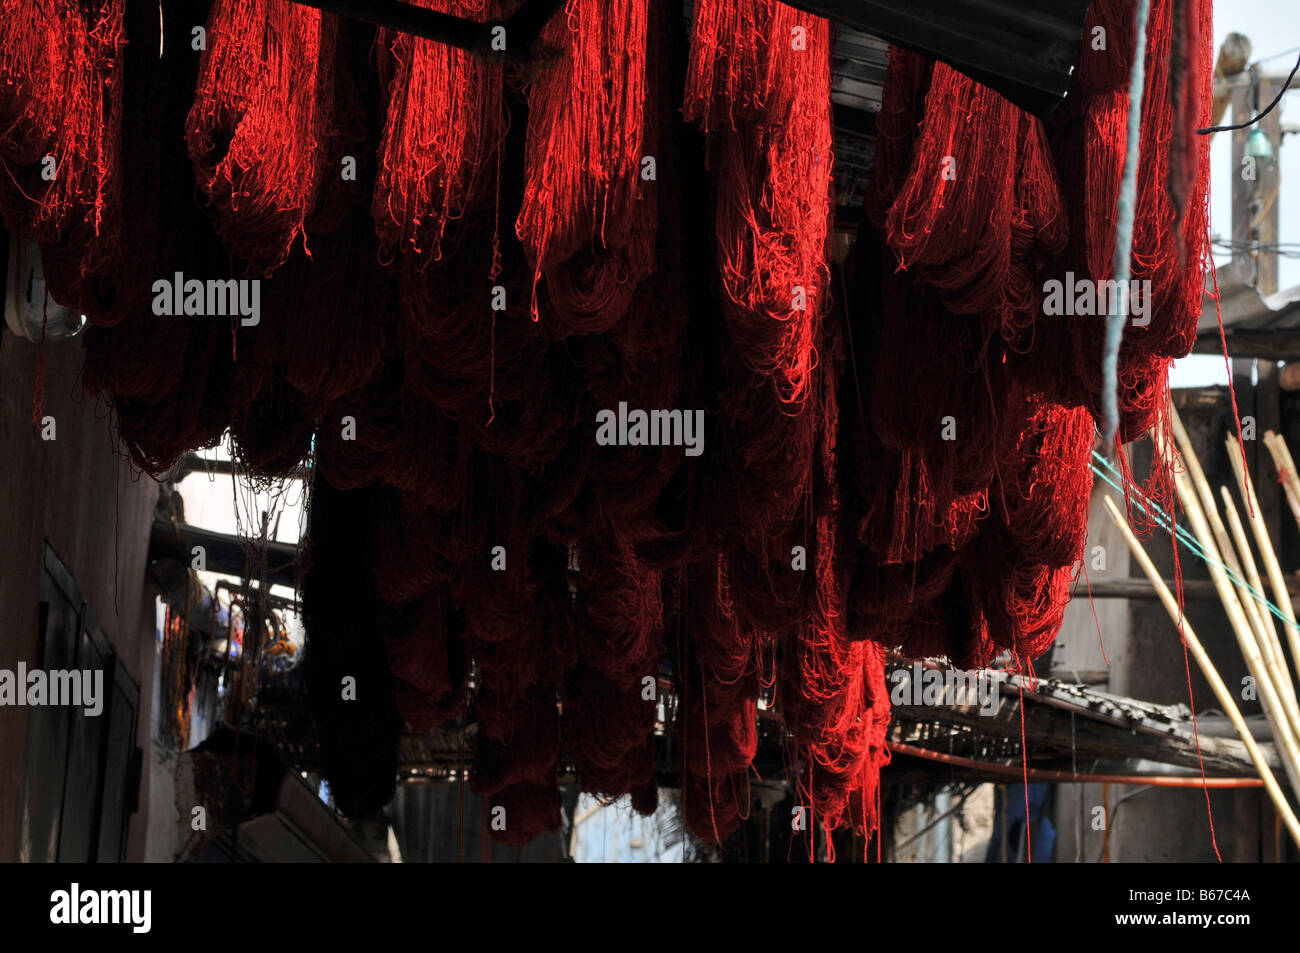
(1124, 214)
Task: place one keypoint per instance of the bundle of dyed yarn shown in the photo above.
(464, 266)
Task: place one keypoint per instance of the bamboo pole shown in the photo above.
(1275, 578)
(1291, 476)
(1279, 443)
(1225, 699)
(1252, 575)
(1270, 647)
(1277, 448)
(1270, 700)
(1244, 615)
(1227, 555)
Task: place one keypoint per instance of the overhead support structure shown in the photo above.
(1024, 49)
(1281, 344)
(521, 30)
(224, 553)
(1198, 590)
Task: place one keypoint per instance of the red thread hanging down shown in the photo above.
(758, 81)
(1168, 260)
(718, 725)
(1227, 366)
(967, 215)
(1024, 763)
(771, 166)
(443, 129)
(60, 125)
(590, 208)
(941, 515)
(264, 129)
(967, 576)
(1045, 480)
(1093, 605)
(1191, 699)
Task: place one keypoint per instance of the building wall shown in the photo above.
(96, 514)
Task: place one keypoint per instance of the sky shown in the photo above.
(1273, 27)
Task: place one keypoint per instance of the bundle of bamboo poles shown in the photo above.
(1237, 581)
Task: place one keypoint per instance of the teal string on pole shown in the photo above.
(1189, 541)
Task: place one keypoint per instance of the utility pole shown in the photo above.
(1256, 178)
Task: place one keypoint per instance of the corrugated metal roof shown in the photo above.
(1025, 49)
(858, 65)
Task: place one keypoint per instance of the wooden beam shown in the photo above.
(194, 463)
(1079, 729)
(521, 30)
(1234, 54)
(1016, 772)
(1194, 590)
(1281, 344)
(1265, 203)
(223, 553)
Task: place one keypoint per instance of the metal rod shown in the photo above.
(1050, 776)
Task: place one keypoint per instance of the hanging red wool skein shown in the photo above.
(969, 206)
(445, 122)
(759, 83)
(717, 714)
(1168, 262)
(590, 212)
(262, 126)
(834, 704)
(772, 175)
(60, 128)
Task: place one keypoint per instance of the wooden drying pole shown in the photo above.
(1281, 596)
(1277, 448)
(1248, 636)
(1221, 549)
(1222, 543)
(1269, 644)
(1247, 639)
(1226, 701)
(1286, 467)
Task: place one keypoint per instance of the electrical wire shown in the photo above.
(1114, 812)
(1275, 56)
(1258, 116)
(1281, 249)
